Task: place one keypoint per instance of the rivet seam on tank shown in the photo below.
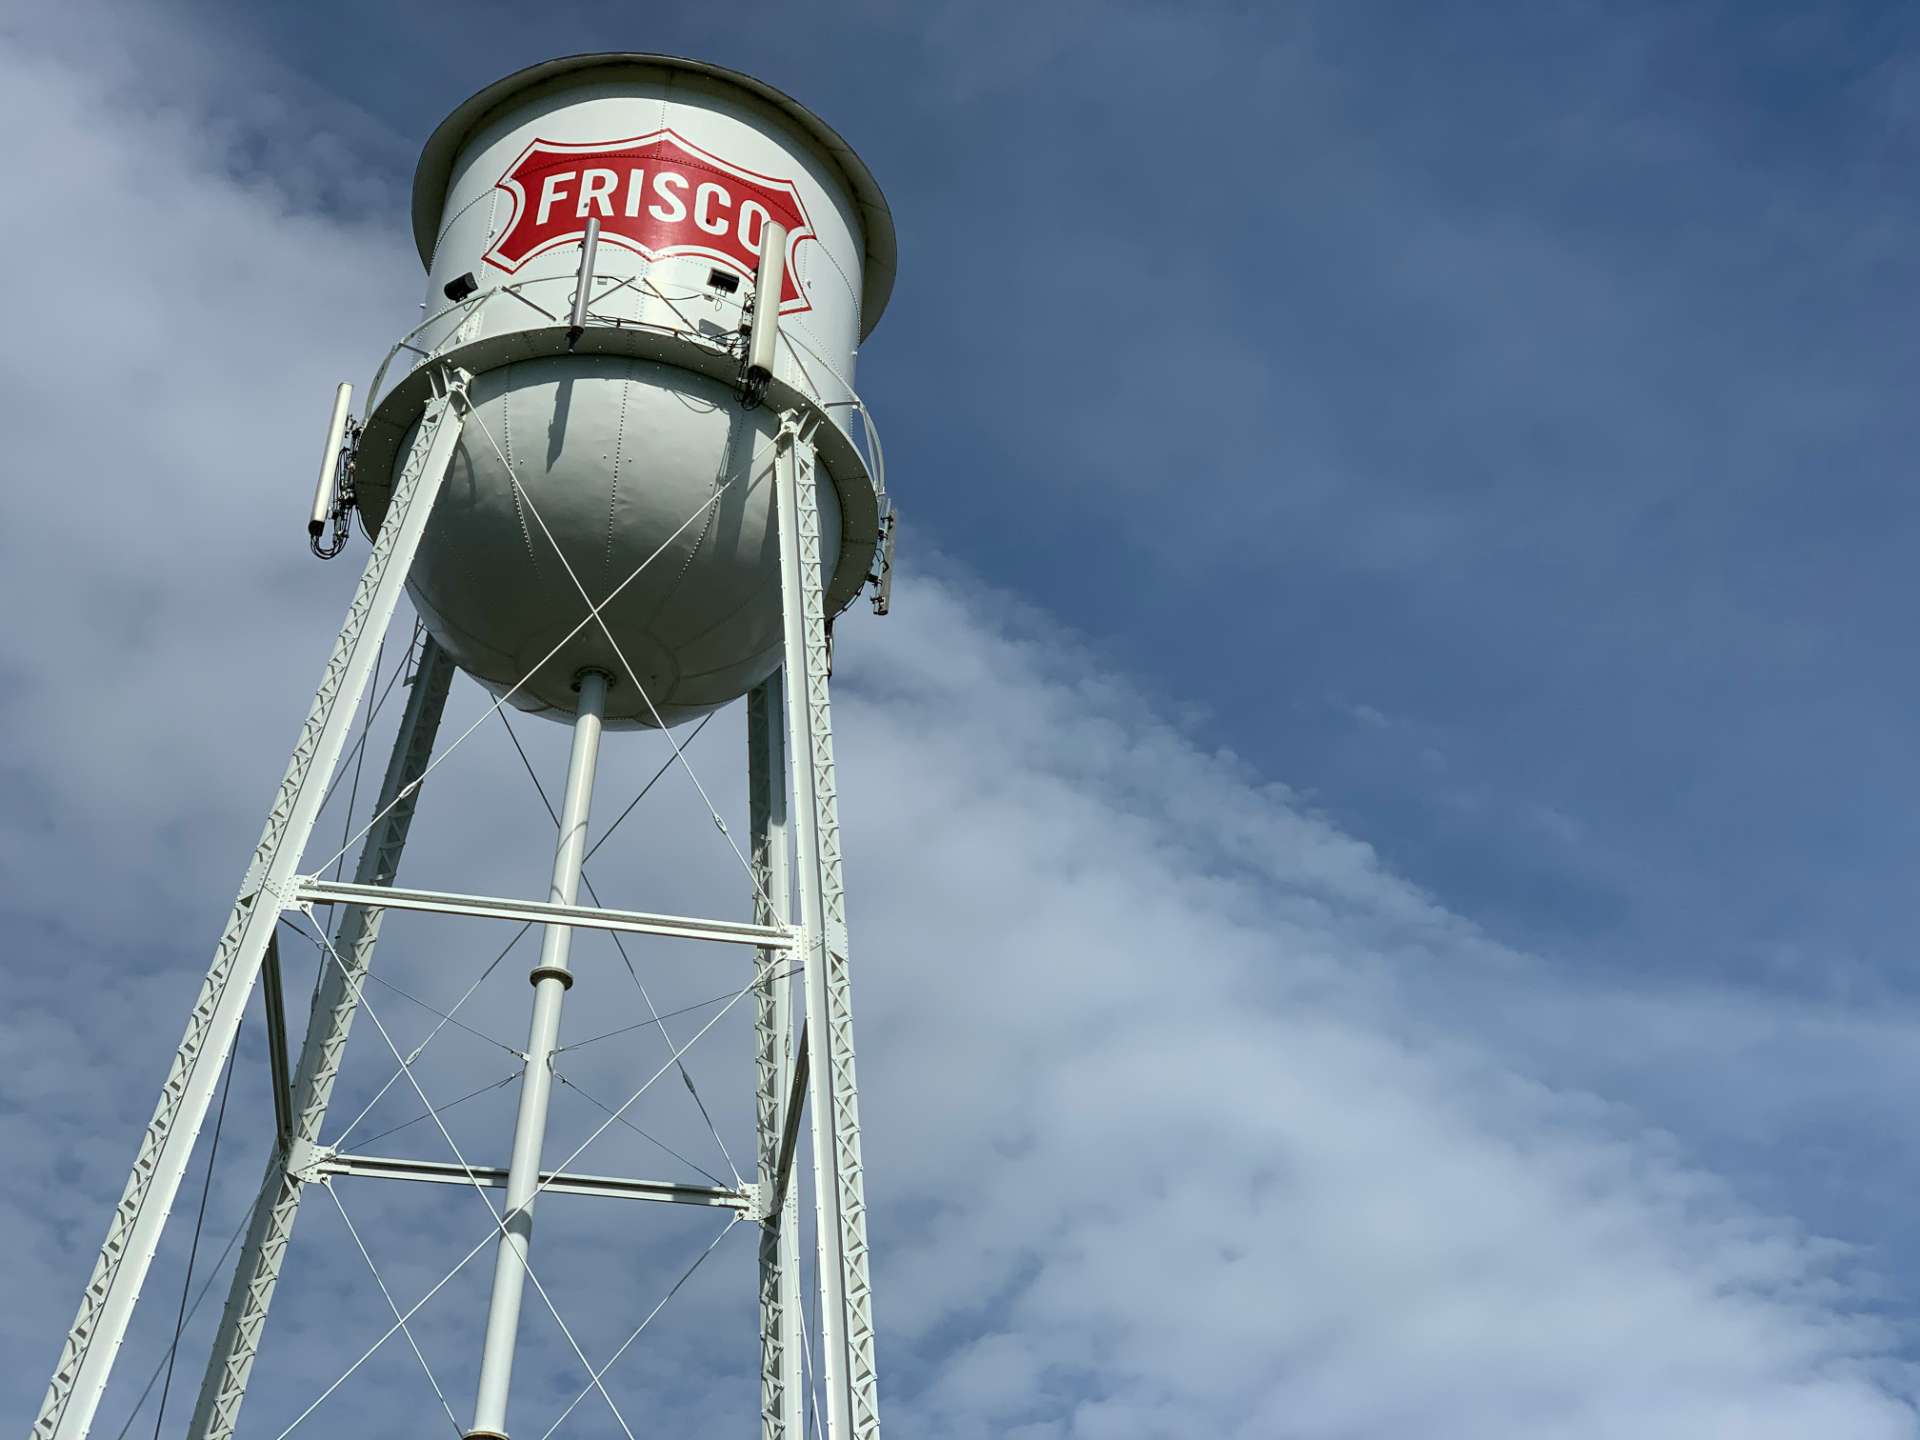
(798, 321)
(713, 503)
(613, 494)
(446, 226)
(506, 453)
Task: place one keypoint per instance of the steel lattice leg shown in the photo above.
(782, 1391)
(87, 1354)
(840, 1191)
(335, 1003)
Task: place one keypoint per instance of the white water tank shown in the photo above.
(627, 447)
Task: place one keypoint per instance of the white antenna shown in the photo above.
(768, 279)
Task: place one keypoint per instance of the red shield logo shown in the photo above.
(655, 194)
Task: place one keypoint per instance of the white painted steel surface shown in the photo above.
(612, 456)
(328, 480)
(685, 167)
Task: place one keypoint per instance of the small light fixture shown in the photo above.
(460, 287)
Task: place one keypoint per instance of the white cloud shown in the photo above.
(1165, 1135)
(1210, 1157)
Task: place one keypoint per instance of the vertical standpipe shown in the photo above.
(550, 978)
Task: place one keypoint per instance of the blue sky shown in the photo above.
(1417, 497)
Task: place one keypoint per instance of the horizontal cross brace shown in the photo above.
(563, 1182)
(541, 912)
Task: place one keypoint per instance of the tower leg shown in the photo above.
(87, 1354)
(846, 1297)
(782, 1392)
(335, 1002)
(551, 979)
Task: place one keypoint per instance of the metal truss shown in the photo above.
(335, 1002)
(782, 1390)
(91, 1344)
(840, 1191)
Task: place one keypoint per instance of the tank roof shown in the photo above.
(435, 170)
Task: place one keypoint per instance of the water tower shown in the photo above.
(621, 469)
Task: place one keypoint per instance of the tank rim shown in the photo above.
(389, 420)
(435, 170)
